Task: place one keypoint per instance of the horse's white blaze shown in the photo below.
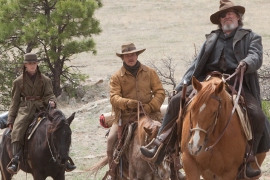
(202, 107)
(196, 139)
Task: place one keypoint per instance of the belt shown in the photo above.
(31, 98)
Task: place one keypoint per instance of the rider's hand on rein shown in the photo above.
(242, 65)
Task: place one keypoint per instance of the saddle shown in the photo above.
(30, 131)
(34, 124)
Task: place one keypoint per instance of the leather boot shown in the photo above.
(70, 165)
(252, 173)
(153, 148)
(14, 167)
(150, 150)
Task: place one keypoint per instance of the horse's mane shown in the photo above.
(202, 96)
(205, 93)
(58, 120)
(145, 122)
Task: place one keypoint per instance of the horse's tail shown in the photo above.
(98, 166)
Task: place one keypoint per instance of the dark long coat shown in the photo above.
(247, 47)
(22, 112)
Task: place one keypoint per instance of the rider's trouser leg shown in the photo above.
(16, 152)
(257, 120)
(111, 141)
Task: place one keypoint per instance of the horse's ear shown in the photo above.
(70, 118)
(196, 84)
(147, 130)
(219, 87)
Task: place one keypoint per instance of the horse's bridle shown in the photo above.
(213, 124)
(239, 75)
(52, 147)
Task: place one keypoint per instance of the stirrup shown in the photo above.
(255, 177)
(71, 165)
(10, 163)
(154, 158)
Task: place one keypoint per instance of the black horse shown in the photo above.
(47, 151)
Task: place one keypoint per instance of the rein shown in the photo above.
(212, 126)
(235, 104)
(53, 158)
(236, 74)
(52, 147)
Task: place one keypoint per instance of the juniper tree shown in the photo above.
(54, 29)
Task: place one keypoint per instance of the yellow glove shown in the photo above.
(132, 104)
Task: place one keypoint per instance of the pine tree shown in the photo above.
(53, 29)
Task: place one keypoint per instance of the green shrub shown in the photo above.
(266, 108)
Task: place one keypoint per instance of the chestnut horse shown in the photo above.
(48, 148)
(138, 168)
(203, 124)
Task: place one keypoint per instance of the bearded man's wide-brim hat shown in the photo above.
(225, 5)
(129, 48)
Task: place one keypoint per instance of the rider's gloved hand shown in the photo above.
(52, 104)
(242, 64)
(132, 104)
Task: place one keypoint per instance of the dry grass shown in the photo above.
(164, 28)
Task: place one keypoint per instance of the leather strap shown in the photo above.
(31, 98)
(236, 103)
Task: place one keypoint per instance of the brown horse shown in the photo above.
(204, 121)
(48, 148)
(138, 168)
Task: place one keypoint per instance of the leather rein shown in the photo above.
(52, 147)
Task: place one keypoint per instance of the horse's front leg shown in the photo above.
(61, 176)
(190, 167)
(38, 176)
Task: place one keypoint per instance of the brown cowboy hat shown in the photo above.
(129, 48)
(225, 5)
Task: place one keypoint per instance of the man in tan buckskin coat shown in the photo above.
(132, 83)
(32, 91)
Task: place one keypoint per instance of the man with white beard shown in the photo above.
(225, 50)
